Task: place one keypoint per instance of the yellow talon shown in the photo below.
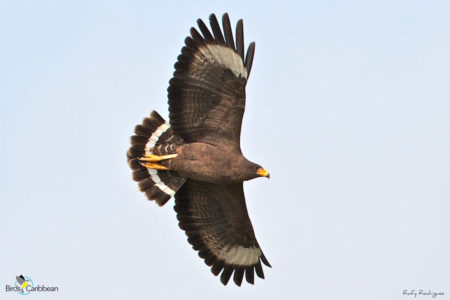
(156, 158)
(155, 166)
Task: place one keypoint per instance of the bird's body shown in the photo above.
(197, 157)
(190, 163)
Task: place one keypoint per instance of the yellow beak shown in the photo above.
(263, 173)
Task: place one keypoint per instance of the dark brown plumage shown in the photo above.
(197, 158)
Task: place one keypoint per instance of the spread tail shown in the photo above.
(154, 137)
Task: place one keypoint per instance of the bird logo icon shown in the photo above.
(22, 281)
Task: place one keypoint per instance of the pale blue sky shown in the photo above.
(348, 107)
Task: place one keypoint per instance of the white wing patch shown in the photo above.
(224, 56)
(241, 256)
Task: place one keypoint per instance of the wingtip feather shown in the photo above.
(240, 38)
(226, 274)
(216, 29)
(228, 31)
(249, 57)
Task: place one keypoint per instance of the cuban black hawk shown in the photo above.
(197, 157)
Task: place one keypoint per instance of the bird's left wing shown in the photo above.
(215, 219)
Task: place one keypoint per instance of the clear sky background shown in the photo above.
(348, 107)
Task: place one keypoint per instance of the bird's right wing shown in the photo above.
(207, 91)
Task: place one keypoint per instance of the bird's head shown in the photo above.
(249, 170)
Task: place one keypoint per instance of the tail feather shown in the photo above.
(154, 136)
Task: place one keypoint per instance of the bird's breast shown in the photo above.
(205, 162)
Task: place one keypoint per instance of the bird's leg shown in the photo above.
(150, 161)
(156, 158)
(155, 166)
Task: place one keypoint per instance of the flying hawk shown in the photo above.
(197, 158)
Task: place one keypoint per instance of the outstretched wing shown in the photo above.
(207, 91)
(215, 219)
